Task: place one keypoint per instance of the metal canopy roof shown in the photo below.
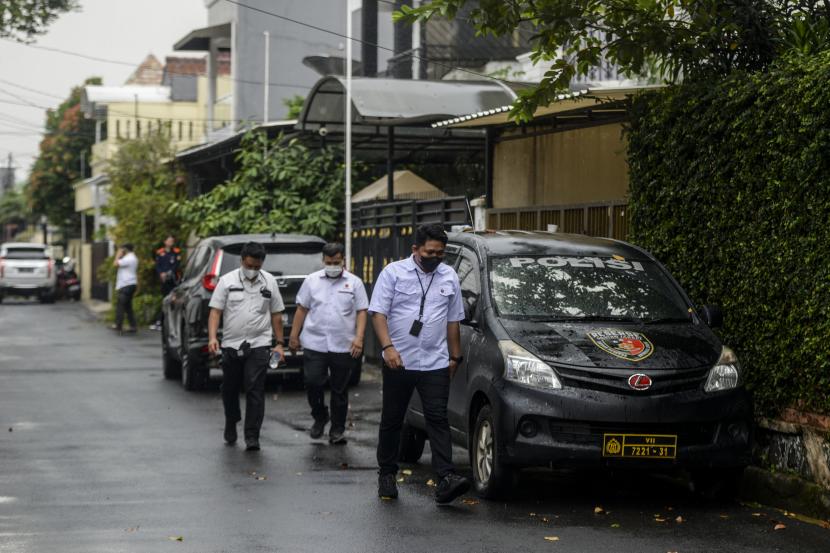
(399, 101)
(573, 101)
(198, 40)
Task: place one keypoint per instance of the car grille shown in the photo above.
(590, 433)
(664, 381)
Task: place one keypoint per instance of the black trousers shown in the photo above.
(337, 367)
(250, 372)
(166, 287)
(434, 389)
(124, 305)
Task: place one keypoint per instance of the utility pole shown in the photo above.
(266, 85)
(347, 114)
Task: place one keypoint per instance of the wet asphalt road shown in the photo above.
(99, 454)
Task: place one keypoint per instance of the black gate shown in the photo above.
(383, 233)
(100, 252)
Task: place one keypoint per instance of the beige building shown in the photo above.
(170, 99)
(567, 167)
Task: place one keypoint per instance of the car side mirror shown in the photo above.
(712, 315)
(470, 312)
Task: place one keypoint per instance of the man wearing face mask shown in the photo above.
(329, 325)
(248, 302)
(416, 313)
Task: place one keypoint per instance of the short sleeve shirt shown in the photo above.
(246, 312)
(332, 305)
(397, 294)
(127, 274)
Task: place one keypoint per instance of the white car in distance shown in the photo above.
(27, 269)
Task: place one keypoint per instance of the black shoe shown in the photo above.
(252, 444)
(336, 437)
(318, 428)
(387, 486)
(451, 487)
(230, 432)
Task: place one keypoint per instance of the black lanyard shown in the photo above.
(423, 292)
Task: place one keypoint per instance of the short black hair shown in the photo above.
(333, 248)
(431, 231)
(254, 250)
(128, 246)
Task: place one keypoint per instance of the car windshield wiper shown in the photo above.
(592, 319)
(662, 320)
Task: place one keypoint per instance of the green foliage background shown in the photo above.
(280, 186)
(730, 188)
(143, 188)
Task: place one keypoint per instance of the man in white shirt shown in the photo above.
(331, 313)
(248, 302)
(126, 281)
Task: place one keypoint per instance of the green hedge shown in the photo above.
(730, 187)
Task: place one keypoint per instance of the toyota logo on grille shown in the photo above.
(639, 381)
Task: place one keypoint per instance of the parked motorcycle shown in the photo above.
(68, 285)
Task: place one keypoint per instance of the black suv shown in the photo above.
(184, 338)
(584, 352)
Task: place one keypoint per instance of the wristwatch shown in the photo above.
(457, 360)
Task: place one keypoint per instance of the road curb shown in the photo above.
(785, 491)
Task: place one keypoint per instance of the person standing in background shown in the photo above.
(168, 262)
(126, 282)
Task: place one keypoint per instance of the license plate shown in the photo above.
(640, 446)
(25, 270)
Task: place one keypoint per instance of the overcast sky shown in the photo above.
(123, 30)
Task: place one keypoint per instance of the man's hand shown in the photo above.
(453, 366)
(293, 343)
(357, 347)
(279, 349)
(213, 346)
(392, 358)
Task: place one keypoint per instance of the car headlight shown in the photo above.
(523, 367)
(726, 373)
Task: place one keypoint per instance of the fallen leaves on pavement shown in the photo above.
(552, 538)
(406, 472)
(598, 510)
(469, 501)
(615, 525)
(680, 520)
(431, 483)
(779, 526)
(176, 538)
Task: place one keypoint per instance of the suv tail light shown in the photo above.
(51, 266)
(211, 279)
(2, 267)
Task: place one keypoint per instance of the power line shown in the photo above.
(134, 66)
(361, 41)
(20, 86)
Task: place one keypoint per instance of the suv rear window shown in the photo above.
(25, 253)
(280, 259)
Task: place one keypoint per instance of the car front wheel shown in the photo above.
(492, 478)
(172, 367)
(194, 377)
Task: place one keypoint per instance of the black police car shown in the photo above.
(290, 258)
(584, 352)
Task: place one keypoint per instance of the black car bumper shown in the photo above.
(566, 428)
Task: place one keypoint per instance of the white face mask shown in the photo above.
(334, 271)
(250, 274)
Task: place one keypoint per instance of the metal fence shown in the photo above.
(382, 233)
(607, 219)
(100, 290)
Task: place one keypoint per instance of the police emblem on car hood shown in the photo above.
(625, 344)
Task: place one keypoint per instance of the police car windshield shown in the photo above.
(565, 288)
(284, 260)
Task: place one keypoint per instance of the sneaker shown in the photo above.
(318, 428)
(387, 486)
(336, 437)
(451, 487)
(230, 432)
